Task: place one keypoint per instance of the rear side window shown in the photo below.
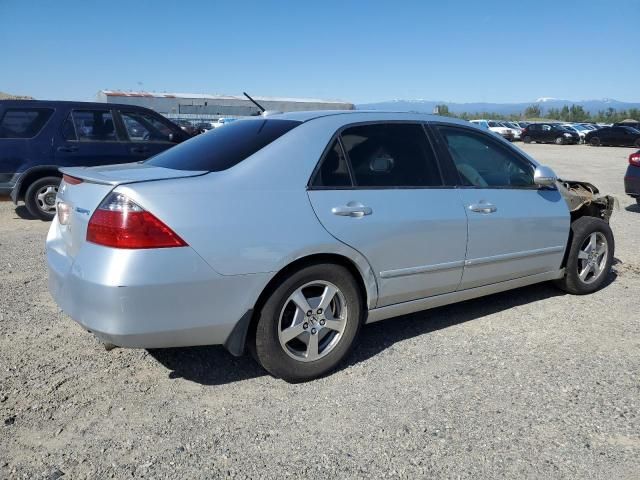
(333, 170)
(94, 125)
(391, 155)
(23, 122)
(223, 148)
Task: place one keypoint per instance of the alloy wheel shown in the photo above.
(312, 321)
(592, 257)
(46, 198)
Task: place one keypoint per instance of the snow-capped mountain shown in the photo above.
(545, 103)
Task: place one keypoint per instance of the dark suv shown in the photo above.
(549, 133)
(37, 137)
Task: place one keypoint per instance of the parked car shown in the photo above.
(517, 130)
(549, 133)
(222, 122)
(579, 129)
(37, 137)
(628, 123)
(632, 177)
(340, 243)
(496, 127)
(204, 126)
(187, 127)
(614, 136)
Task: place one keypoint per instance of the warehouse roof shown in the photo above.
(206, 96)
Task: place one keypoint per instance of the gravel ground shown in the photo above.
(526, 384)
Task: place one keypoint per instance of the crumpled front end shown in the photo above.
(584, 199)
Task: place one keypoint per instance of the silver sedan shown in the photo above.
(285, 234)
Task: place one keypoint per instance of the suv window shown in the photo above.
(94, 125)
(333, 170)
(223, 148)
(482, 162)
(23, 122)
(142, 127)
(391, 155)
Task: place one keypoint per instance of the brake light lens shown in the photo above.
(71, 180)
(634, 159)
(121, 223)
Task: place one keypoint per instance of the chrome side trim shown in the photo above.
(382, 313)
(401, 272)
(513, 256)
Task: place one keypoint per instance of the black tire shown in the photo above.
(581, 231)
(638, 200)
(559, 141)
(527, 139)
(594, 141)
(637, 143)
(268, 349)
(36, 207)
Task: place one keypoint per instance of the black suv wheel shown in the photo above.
(40, 198)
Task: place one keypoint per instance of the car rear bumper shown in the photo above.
(632, 181)
(152, 298)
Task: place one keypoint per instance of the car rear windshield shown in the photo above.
(23, 122)
(223, 147)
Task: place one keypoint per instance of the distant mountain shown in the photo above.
(8, 96)
(545, 103)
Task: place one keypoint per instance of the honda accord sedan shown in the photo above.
(283, 235)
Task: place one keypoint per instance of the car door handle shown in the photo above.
(139, 150)
(352, 209)
(483, 207)
(67, 149)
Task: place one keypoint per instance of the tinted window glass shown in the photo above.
(94, 125)
(481, 162)
(391, 155)
(68, 130)
(333, 171)
(23, 122)
(142, 127)
(223, 148)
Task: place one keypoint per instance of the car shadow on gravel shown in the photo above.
(215, 366)
(634, 207)
(24, 214)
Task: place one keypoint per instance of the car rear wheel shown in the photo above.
(559, 141)
(527, 139)
(595, 141)
(590, 256)
(40, 197)
(309, 323)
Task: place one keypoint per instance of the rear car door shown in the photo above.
(87, 138)
(148, 134)
(379, 189)
(516, 228)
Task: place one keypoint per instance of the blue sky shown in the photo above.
(359, 51)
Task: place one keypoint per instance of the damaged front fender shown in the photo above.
(584, 199)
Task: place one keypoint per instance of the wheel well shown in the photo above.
(34, 175)
(295, 266)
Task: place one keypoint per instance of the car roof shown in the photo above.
(66, 103)
(353, 116)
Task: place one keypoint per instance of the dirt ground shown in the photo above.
(531, 383)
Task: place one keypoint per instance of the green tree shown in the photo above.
(443, 110)
(533, 111)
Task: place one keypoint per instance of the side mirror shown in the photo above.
(544, 176)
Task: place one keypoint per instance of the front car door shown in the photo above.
(88, 138)
(380, 190)
(147, 134)
(516, 228)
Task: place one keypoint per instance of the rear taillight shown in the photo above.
(71, 180)
(634, 159)
(121, 223)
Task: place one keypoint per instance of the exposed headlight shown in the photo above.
(567, 134)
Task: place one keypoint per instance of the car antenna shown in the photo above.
(262, 109)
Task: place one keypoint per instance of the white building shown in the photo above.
(196, 105)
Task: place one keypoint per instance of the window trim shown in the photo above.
(445, 151)
(354, 186)
(44, 125)
(113, 117)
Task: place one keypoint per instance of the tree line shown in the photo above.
(573, 113)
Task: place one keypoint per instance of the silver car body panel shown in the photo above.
(245, 224)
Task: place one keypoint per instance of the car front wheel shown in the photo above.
(309, 323)
(590, 256)
(595, 141)
(527, 139)
(40, 197)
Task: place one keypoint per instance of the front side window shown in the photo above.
(482, 162)
(94, 126)
(223, 148)
(391, 155)
(142, 127)
(23, 122)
